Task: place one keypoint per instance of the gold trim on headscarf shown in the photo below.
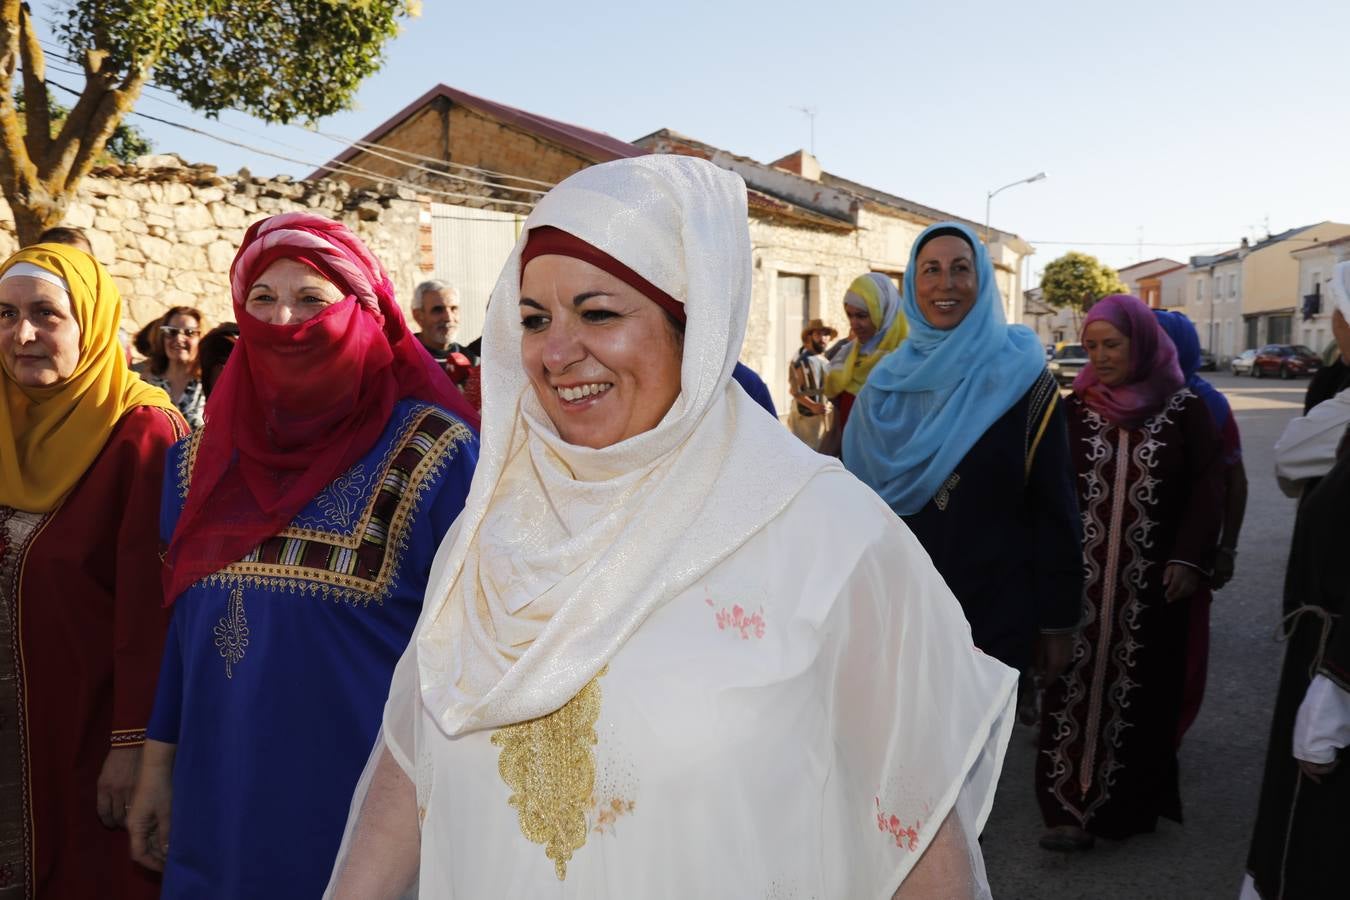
(852, 374)
(49, 436)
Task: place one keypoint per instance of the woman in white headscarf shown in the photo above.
(642, 668)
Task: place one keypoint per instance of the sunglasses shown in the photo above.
(171, 331)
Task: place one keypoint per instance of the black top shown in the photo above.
(1327, 383)
(1008, 539)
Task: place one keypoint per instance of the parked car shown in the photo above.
(1285, 360)
(1067, 361)
(1242, 363)
(1207, 362)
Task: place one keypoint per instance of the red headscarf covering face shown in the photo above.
(297, 405)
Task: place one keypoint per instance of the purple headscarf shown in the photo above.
(1154, 372)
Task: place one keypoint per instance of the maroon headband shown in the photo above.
(549, 241)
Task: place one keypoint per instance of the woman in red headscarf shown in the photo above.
(301, 523)
(1146, 454)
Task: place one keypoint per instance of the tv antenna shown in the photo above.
(810, 113)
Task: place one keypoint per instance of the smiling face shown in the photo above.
(181, 333)
(289, 292)
(39, 337)
(945, 283)
(860, 324)
(603, 359)
(1109, 352)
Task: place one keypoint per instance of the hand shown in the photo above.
(1052, 656)
(115, 782)
(1315, 771)
(151, 808)
(1224, 562)
(1179, 581)
(815, 407)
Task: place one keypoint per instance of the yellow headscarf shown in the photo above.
(50, 436)
(855, 362)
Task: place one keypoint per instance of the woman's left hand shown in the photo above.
(1179, 581)
(115, 782)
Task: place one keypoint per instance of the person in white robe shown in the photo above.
(643, 668)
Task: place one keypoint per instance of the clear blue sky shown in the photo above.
(1181, 121)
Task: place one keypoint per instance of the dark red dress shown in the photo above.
(1149, 497)
(84, 627)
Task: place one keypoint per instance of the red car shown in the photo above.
(1285, 360)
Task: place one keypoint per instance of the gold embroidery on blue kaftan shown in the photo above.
(549, 765)
(350, 552)
(232, 631)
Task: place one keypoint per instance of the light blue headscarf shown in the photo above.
(925, 405)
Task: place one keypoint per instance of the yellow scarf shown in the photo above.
(50, 436)
(882, 299)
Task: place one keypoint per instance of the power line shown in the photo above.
(350, 143)
(340, 167)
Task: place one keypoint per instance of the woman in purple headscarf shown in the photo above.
(1146, 454)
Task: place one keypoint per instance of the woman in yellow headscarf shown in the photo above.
(877, 325)
(82, 447)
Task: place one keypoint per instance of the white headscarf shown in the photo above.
(1340, 287)
(563, 551)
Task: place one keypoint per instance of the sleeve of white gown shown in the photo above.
(921, 719)
(383, 824)
(1307, 449)
(1322, 726)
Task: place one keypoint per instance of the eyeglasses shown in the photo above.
(171, 331)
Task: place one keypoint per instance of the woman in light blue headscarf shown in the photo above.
(960, 431)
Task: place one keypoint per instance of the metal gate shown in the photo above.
(470, 246)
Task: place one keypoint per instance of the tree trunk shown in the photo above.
(34, 216)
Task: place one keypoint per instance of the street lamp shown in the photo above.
(989, 198)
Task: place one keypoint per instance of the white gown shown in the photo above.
(754, 737)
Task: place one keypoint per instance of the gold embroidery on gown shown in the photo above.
(549, 764)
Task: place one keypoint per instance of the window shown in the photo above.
(1199, 289)
(1315, 283)
(1232, 286)
(1279, 329)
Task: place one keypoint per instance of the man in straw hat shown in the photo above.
(809, 416)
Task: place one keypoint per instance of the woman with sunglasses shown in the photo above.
(173, 362)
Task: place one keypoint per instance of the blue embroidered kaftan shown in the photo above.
(276, 668)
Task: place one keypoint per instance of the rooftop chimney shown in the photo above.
(800, 163)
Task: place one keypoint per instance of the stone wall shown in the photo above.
(168, 231)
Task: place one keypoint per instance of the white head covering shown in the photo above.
(562, 551)
(1340, 287)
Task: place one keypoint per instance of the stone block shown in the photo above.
(130, 254)
(210, 195)
(175, 193)
(156, 249)
(120, 207)
(134, 190)
(199, 238)
(268, 204)
(192, 217)
(159, 161)
(158, 231)
(102, 244)
(155, 219)
(219, 255)
(110, 224)
(187, 281)
(243, 201)
(226, 216)
(79, 215)
(123, 268)
(135, 226)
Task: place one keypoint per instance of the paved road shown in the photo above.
(1224, 752)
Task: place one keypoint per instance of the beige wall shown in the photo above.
(1270, 275)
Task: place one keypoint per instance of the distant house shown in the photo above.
(1251, 295)
(1138, 277)
(1312, 323)
(481, 165)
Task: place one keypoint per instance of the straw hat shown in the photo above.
(818, 325)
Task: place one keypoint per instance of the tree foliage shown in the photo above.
(1078, 280)
(280, 60)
